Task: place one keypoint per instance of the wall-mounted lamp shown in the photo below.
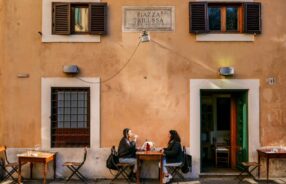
(71, 69)
(226, 71)
(145, 36)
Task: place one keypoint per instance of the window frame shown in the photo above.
(223, 12)
(69, 131)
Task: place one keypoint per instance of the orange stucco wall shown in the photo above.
(2, 9)
(151, 95)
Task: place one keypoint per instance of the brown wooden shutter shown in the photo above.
(98, 18)
(61, 19)
(198, 17)
(252, 18)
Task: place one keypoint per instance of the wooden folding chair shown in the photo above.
(9, 167)
(248, 167)
(175, 168)
(75, 166)
(121, 168)
(122, 171)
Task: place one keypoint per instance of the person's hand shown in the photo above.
(135, 137)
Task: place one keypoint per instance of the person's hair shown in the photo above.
(125, 132)
(174, 136)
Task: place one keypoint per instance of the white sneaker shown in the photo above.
(167, 179)
(170, 177)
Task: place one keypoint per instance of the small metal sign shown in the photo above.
(154, 18)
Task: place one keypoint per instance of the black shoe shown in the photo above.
(132, 176)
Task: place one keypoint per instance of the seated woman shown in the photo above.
(173, 153)
(127, 149)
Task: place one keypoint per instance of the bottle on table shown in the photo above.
(148, 147)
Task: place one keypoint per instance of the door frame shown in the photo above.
(196, 85)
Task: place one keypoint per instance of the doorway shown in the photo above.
(224, 130)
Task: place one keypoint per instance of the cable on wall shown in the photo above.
(118, 72)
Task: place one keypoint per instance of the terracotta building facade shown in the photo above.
(75, 73)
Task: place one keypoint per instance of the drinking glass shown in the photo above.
(37, 147)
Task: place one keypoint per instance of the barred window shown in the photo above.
(70, 120)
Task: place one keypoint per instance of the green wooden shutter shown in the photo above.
(242, 129)
(98, 18)
(252, 18)
(61, 19)
(198, 12)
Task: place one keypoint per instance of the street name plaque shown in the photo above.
(153, 18)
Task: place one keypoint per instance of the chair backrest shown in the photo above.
(187, 166)
(84, 155)
(112, 160)
(113, 151)
(3, 149)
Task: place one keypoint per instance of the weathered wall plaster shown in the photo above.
(2, 18)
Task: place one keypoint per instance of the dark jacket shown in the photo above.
(126, 148)
(174, 152)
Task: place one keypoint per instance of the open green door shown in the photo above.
(242, 129)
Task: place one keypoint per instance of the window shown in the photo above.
(79, 18)
(214, 18)
(225, 17)
(70, 117)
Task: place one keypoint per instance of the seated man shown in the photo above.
(127, 150)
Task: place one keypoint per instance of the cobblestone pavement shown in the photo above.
(200, 181)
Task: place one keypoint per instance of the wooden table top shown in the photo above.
(36, 154)
(149, 153)
(272, 150)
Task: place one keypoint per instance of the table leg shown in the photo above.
(138, 171)
(267, 168)
(258, 165)
(45, 173)
(19, 173)
(31, 170)
(161, 171)
(55, 166)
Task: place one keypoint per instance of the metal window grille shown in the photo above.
(70, 117)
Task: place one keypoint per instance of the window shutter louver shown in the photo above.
(252, 18)
(98, 18)
(61, 19)
(198, 17)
